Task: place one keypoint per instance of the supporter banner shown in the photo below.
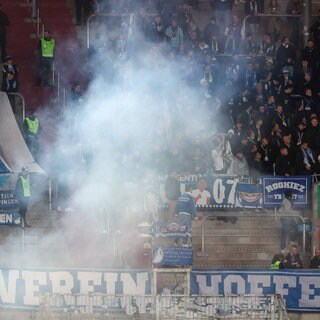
(220, 191)
(299, 289)
(24, 287)
(274, 187)
(162, 229)
(11, 219)
(172, 256)
(7, 199)
(231, 192)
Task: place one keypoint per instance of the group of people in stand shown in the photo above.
(293, 260)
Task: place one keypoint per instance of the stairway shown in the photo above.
(56, 16)
(70, 239)
(249, 243)
(23, 45)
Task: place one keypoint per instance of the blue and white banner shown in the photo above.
(177, 256)
(8, 203)
(165, 229)
(220, 191)
(299, 289)
(22, 288)
(274, 187)
(10, 219)
(7, 199)
(9, 215)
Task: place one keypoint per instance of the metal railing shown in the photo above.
(287, 28)
(20, 111)
(97, 15)
(121, 307)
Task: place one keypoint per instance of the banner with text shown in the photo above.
(176, 256)
(229, 192)
(171, 230)
(7, 186)
(274, 187)
(299, 289)
(24, 287)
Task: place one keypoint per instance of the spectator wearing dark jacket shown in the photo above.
(9, 66)
(285, 55)
(315, 261)
(306, 160)
(283, 166)
(10, 85)
(293, 259)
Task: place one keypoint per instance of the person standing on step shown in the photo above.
(288, 223)
(31, 133)
(47, 46)
(9, 66)
(185, 208)
(23, 194)
(4, 23)
(10, 86)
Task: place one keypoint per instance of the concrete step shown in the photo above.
(237, 258)
(225, 264)
(237, 232)
(237, 240)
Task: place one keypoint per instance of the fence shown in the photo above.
(102, 306)
(17, 102)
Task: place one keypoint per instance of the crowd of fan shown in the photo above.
(261, 97)
(264, 103)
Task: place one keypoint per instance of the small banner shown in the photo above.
(177, 256)
(171, 230)
(274, 187)
(7, 199)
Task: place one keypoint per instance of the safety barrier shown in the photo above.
(280, 25)
(18, 106)
(121, 307)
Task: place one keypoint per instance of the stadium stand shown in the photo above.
(237, 83)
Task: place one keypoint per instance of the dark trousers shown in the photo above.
(23, 207)
(45, 75)
(32, 142)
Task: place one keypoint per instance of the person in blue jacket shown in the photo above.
(185, 209)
